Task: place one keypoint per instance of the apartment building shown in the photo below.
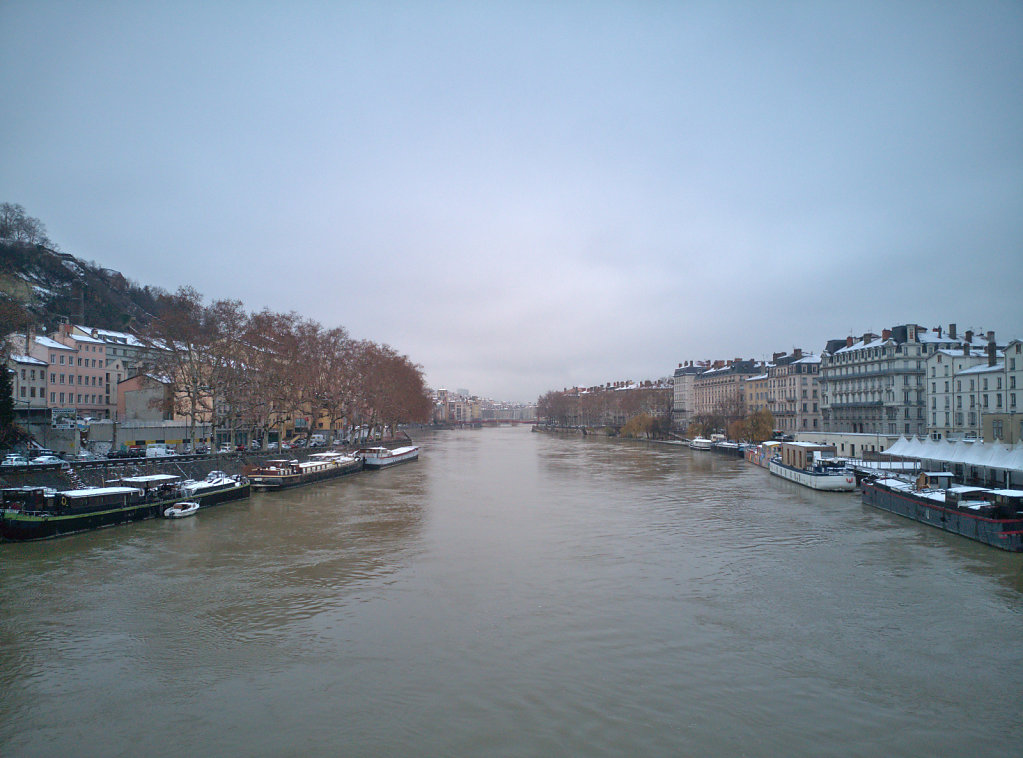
(984, 396)
(876, 384)
(949, 411)
(794, 392)
(758, 391)
(28, 383)
(724, 386)
(684, 393)
(90, 390)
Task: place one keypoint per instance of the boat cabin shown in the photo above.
(275, 467)
(27, 499)
(95, 499)
(1009, 502)
(934, 480)
(808, 455)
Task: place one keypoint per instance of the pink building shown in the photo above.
(88, 394)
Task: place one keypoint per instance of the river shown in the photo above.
(516, 594)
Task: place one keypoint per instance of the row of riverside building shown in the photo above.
(906, 381)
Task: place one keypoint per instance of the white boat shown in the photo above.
(183, 509)
(381, 457)
(813, 466)
(700, 443)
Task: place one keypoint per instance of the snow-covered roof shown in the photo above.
(51, 344)
(811, 358)
(983, 369)
(29, 360)
(756, 378)
(108, 335)
(861, 345)
(149, 479)
(83, 338)
(99, 491)
(978, 342)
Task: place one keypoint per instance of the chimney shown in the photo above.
(992, 350)
(937, 330)
(886, 334)
(951, 331)
(990, 336)
(776, 356)
(797, 353)
(968, 336)
(848, 341)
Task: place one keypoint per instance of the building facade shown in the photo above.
(794, 392)
(89, 395)
(684, 393)
(28, 383)
(876, 384)
(724, 387)
(949, 411)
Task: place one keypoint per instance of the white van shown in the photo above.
(159, 451)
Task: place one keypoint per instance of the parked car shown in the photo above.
(46, 460)
(13, 459)
(223, 449)
(202, 450)
(239, 448)
(87, 455)
(272, 446)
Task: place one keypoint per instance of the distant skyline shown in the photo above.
(528, 196)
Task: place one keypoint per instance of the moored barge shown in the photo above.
(991, 516)
(382, 457)
(813, 466)
(762, 454)
(33, 513)
(282, 473)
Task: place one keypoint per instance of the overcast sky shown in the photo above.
(526, 196)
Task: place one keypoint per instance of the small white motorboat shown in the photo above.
(183, 509)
